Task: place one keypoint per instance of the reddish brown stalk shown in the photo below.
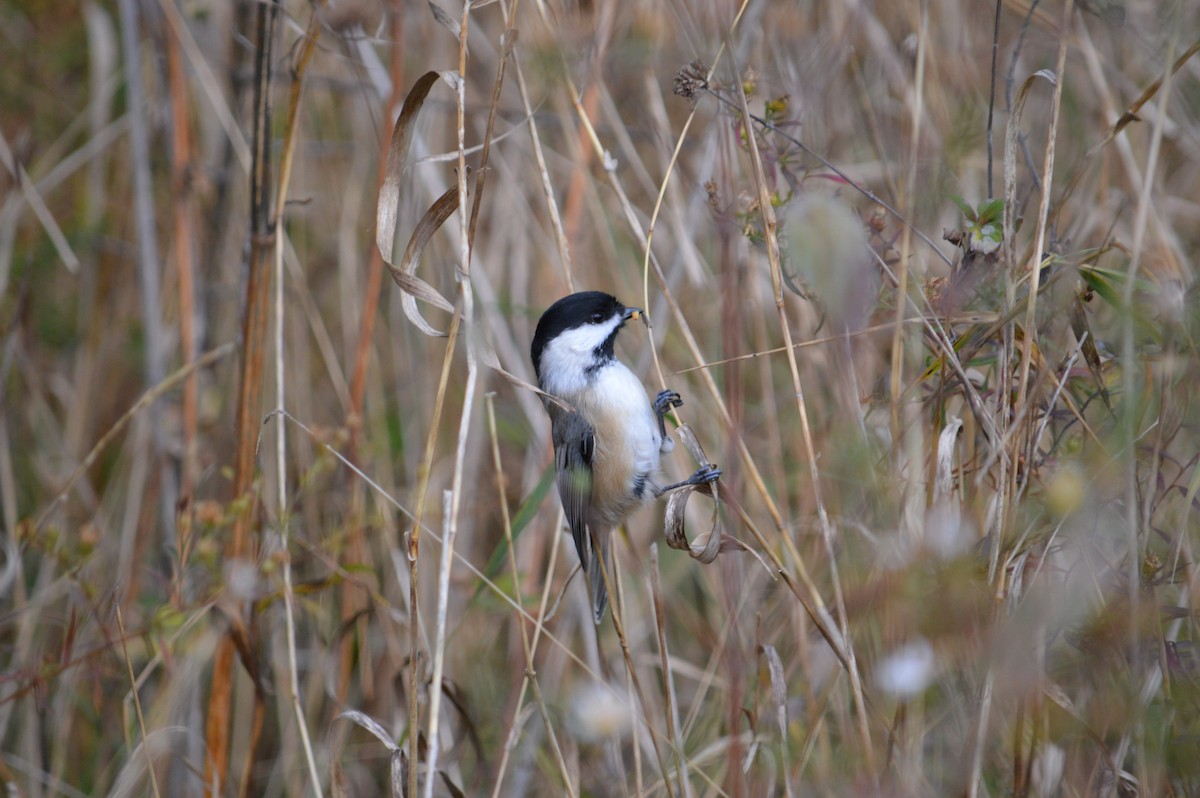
(184, 240)
(576, 191)
(254, 321)
(573, 203)
(249, 402)
(375, 269)
(354, 597)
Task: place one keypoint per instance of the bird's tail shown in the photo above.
(603, 544)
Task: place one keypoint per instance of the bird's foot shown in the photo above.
(705, 475)
(663, 403)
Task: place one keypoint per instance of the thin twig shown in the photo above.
(530, 679)
(992, 96)
(466, 310)
(299, 70)
(153, 393)
(664, 657)
(137, 701)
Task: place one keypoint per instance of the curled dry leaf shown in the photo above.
(404, 274)
(1011, 136)
(677, 537)
(371, 725)
(387, 209)
(677, 503)
(399, 763)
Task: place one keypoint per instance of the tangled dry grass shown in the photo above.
(922, 271)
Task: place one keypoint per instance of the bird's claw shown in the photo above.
(705, 475)
(663, 403)
(666, 400)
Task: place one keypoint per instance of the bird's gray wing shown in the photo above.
(574, 445)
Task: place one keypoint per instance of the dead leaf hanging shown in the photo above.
(387, 210)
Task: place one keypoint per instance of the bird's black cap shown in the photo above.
(574, 310)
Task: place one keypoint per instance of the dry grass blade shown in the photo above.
(1131, 113)
(34, 199)
(779, 698)
(137, 702)
(669, 692)
(452, 500)
(365, 721)
(286, 161)
(444, 19)
(1012, 133)
(184, 247)
(388, 207)
(944, 475)
(414, 287)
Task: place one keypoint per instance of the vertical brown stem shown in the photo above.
(375, 270)
(249, 402)
(185, 227)
(573, 204)
(354, 597)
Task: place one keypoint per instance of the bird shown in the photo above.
(608, 436)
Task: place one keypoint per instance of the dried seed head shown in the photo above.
(691, 80)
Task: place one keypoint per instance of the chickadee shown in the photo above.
(607, 445)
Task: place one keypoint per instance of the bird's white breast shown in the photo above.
(618, 409)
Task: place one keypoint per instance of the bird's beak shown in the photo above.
(634, 313)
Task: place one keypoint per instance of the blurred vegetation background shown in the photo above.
(923, 273)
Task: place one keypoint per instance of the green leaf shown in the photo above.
(1098, 283)
(967, 211)
(524, 515)
(990, 211)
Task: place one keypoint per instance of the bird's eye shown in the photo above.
(597, 317)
